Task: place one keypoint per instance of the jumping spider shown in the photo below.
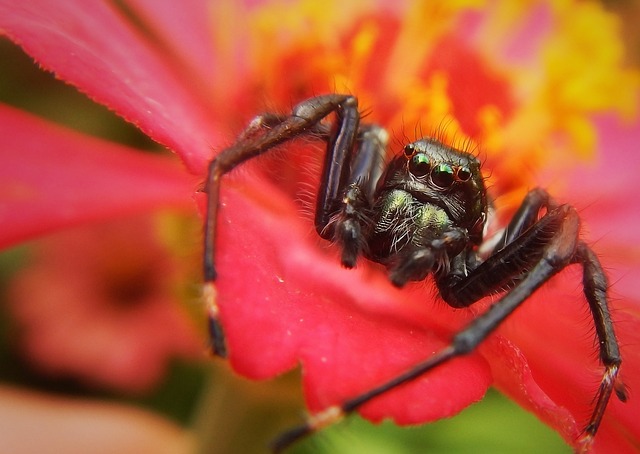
(424, 214)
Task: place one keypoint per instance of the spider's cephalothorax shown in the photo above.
(429, 206)
(422, 214)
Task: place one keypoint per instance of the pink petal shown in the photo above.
(92, 46)
(555, 333)
(610, 185)
(196, 34)
(53, 178)
(187, 28)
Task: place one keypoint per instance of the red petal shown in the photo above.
(283, 299)
(53, 178)
(93, 47)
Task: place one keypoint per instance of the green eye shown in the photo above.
(442, 175)
(419, 165)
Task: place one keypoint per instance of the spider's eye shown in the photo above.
(442, 175)
(419, 165)
(463, 174)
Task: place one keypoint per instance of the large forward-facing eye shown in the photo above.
(420, 165)
(442, 175)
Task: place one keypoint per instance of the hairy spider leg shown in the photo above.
(595, 286)
(526, 215)
(515, 254)
(216, 335)
(506, 263)
(558, 230)
(349, 219)
(262, 134)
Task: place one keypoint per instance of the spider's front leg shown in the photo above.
(347, 184)
(262, 134)
(343, 212)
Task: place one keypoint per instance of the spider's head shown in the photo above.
(436, 174)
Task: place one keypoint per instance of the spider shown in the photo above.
(423, 214)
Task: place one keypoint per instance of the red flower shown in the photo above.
(283, 298)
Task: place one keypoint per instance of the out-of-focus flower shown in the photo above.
(525, 82)
(42, 423)
(100, 304)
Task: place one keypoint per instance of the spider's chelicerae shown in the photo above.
(423, 214)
